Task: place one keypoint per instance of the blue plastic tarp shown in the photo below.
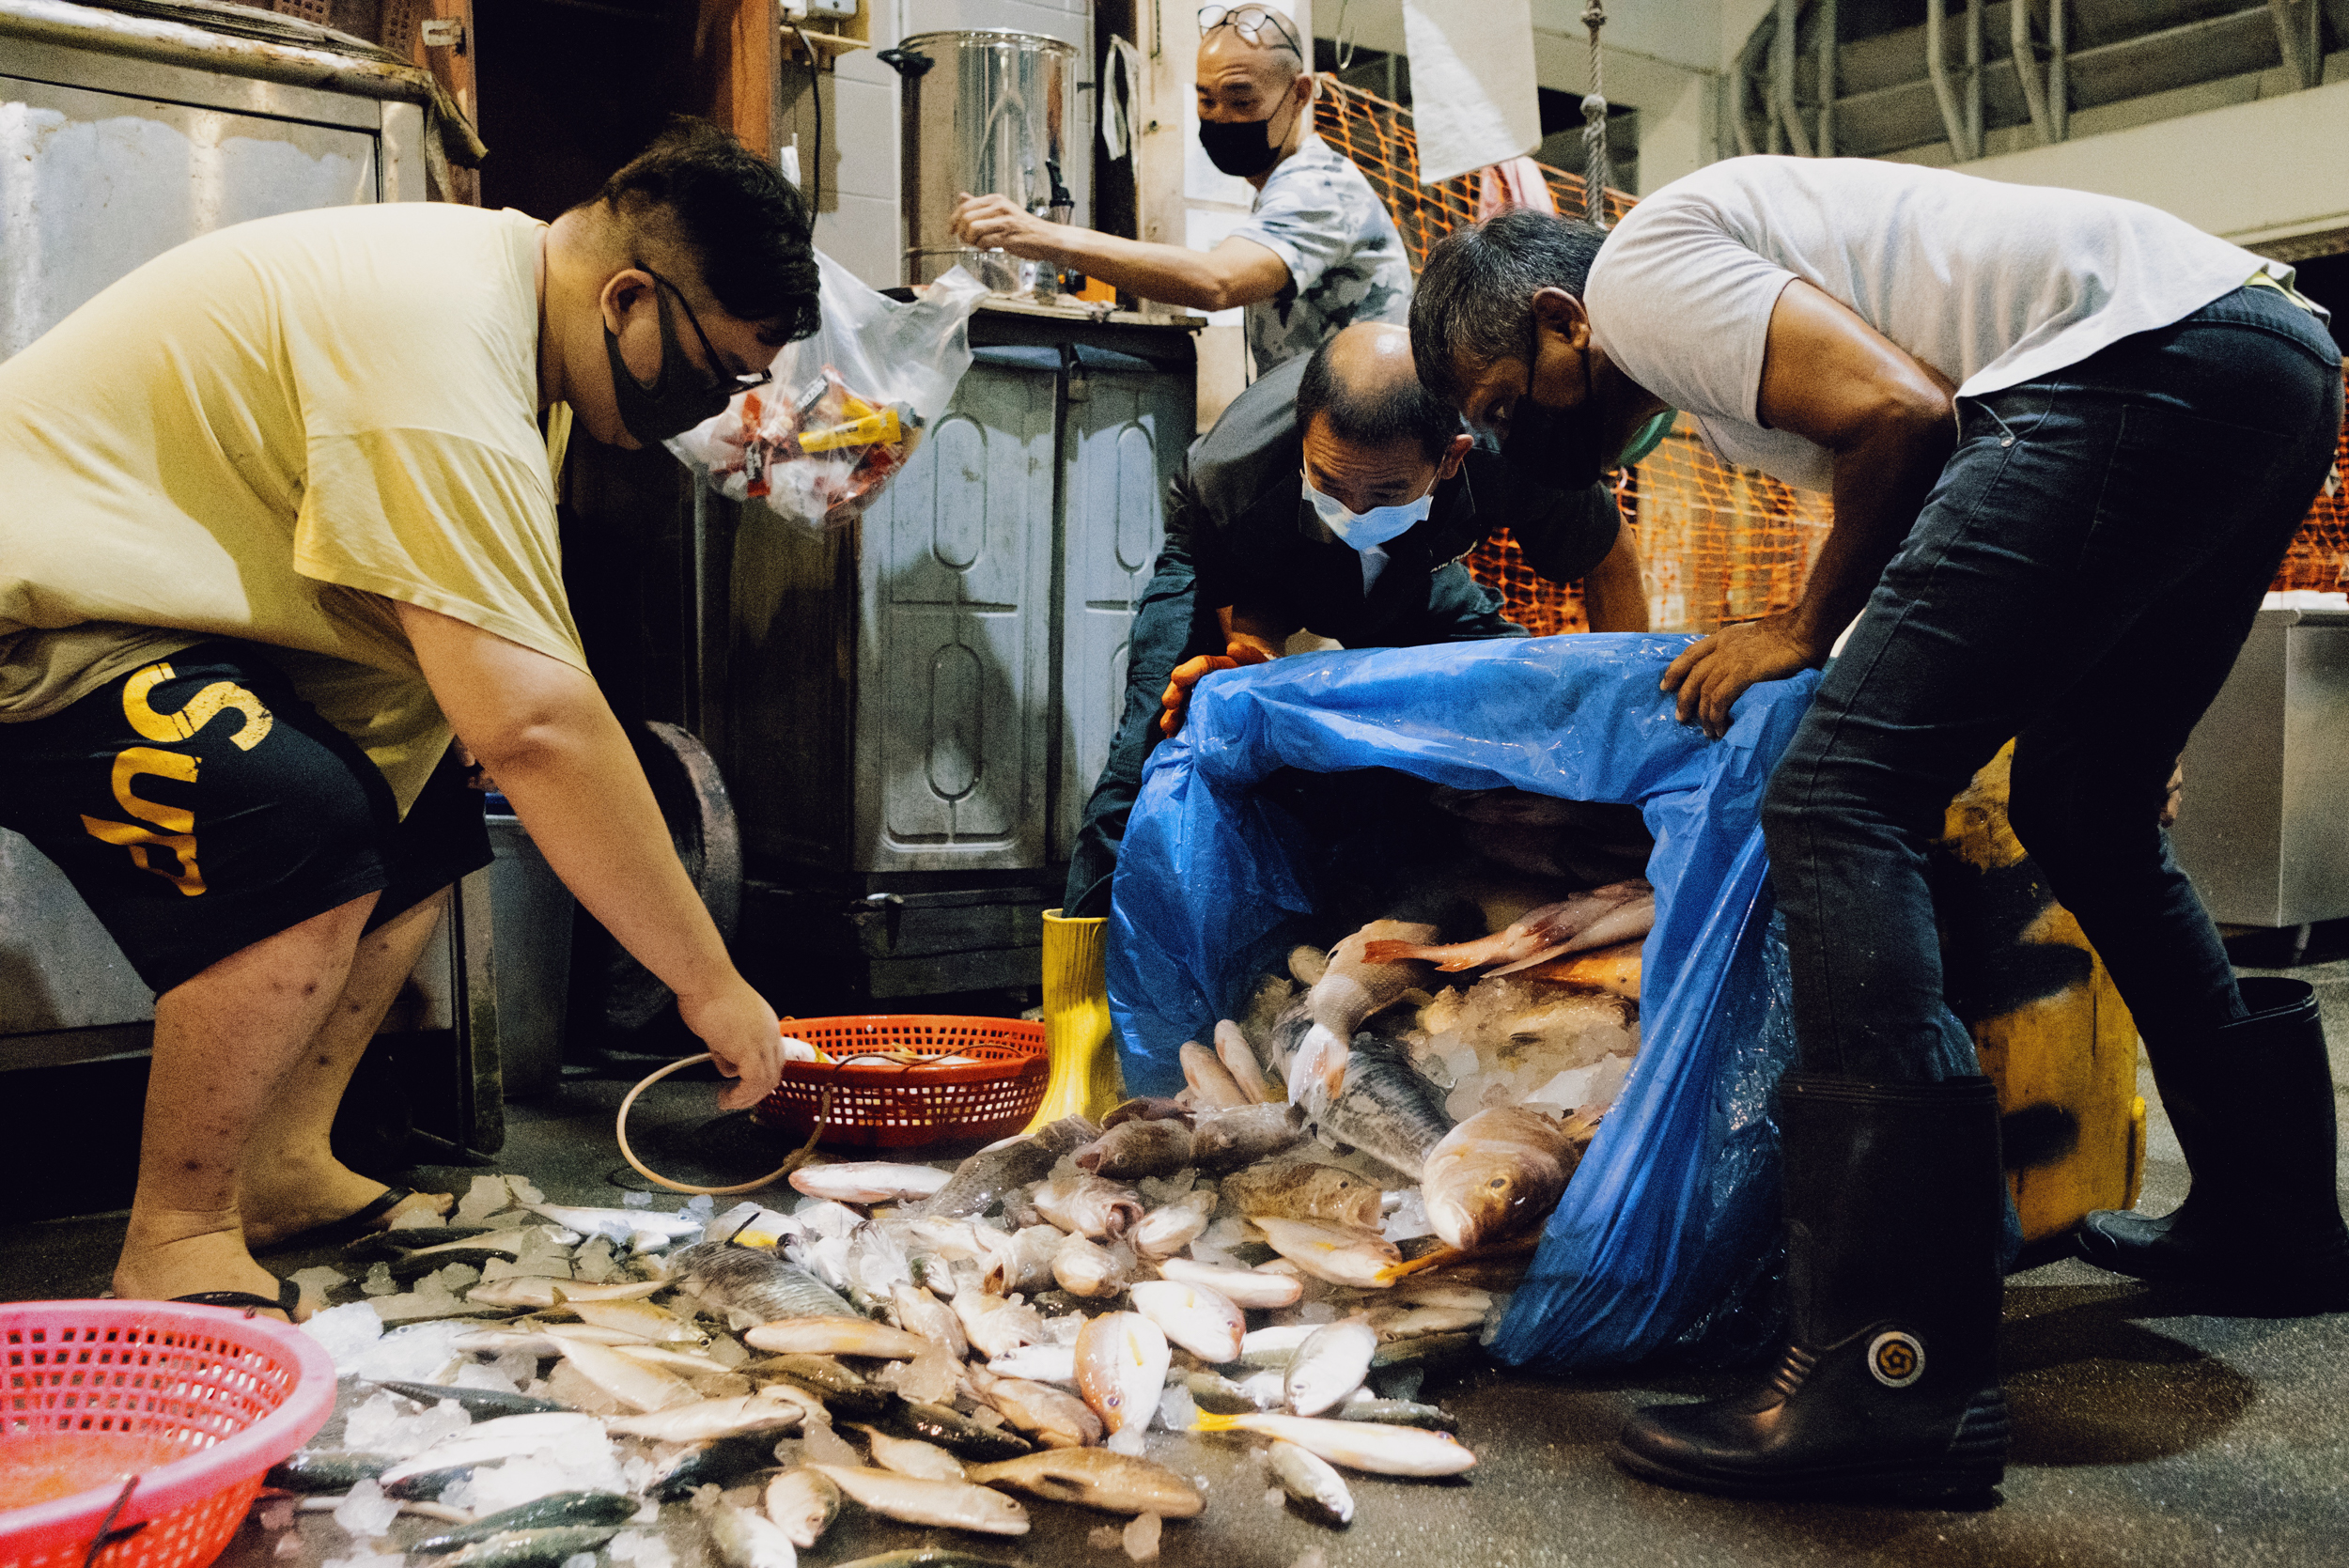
(1677, 1197)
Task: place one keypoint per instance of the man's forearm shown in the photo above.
(1170, 274)
(1615, 597)
(1881, 483)
(545, 733)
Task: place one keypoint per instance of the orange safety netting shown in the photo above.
(1716, 543)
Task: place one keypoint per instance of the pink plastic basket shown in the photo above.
(220, 1397)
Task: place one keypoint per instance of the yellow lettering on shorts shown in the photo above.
(139, 841)
(202, 709)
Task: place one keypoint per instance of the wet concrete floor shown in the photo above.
(2141, 1437)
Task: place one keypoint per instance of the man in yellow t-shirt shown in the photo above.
(279, 513)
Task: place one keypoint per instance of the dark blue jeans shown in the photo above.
(2080, 579)
(1170, 626)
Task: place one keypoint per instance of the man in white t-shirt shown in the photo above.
(2068, 439)
(1318, 252)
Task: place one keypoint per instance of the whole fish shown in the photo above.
(1240, 1059)
(911, 1456)
(1241, 1287)
(1170, 1227)
(994, 1325)
(328, 1469)
(641, 1387)
(1628, 921)
(1308, 1479)
(414, 1262)
(834, 1336)
(920, 1312)
(1382, 1106)
(1408, 1320)
(1087, 1206)
(957, 1504)
(619, 1225)
(869, 1181)
(1342, 1255)
(532, 1290)
(1536, 931)
(748, 1540)
(1228, 1139)
(1194, 1317)
(954, 1432)
(391, 1244)
(1329, 1366)
(1122, 1361)
(475, 1403)
(1304, 1190)
(1133, 1149)
(1356, 1445)
(562, 1507)
(803, 1503)
(1495, 1175)
(532, 1548)
(1085, 1268)
(999, 1170)
(1058, 1419)
(705, 1419)
(1212, 1086)
(757, 1281)
(1096, 1478)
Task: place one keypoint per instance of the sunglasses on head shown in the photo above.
(1250, 23)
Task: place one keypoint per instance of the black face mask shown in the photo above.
(1557, 448)
(1242, 149)
(678, 398)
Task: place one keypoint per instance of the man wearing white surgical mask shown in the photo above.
(1335, 495)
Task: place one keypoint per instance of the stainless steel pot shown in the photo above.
(986, 112)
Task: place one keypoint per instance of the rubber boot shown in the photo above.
(1889, 1388)
(2259, 1231)
(1085, 1079)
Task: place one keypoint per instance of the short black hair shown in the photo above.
(1474, 302)
(748, 227)
(1381, 414)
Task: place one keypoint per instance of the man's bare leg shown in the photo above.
(222, 1041)
(291, 1179)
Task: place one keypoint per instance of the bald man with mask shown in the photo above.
(1318, 252)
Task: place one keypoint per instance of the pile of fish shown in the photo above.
(1341, 1197)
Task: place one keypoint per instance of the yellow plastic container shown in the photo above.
(2050, 1028)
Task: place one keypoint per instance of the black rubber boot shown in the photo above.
(2259, 1232)
(1889, 1389)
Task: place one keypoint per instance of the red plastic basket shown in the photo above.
(219, 1396)
(905, 1107)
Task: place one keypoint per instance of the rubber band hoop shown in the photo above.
(805, 1153)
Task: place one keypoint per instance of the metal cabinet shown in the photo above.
(912, 710)
(2268, 778)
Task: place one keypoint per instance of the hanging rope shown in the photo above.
(1597, 173)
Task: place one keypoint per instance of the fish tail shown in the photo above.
(1207, 1420)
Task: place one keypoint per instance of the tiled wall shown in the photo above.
(860, 225)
